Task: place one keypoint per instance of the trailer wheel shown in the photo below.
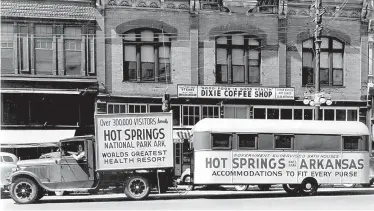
(137, 187)
(264, 187)
(241, 187)
(309, 187)
(291, 189)
(24, 191)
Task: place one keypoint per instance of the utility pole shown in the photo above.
(317, 41)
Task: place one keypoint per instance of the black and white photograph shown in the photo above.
(187, 105)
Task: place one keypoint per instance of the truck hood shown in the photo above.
(34, 162)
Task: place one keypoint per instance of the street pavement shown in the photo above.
(275, 199)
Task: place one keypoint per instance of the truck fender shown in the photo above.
(30, 175)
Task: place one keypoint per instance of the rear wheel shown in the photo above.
(241, 187)
(264, 187)
(24, 191)
(309, 187)
(137, 187)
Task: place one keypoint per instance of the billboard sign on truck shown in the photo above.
(134, 141)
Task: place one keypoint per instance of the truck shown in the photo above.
(132, 151)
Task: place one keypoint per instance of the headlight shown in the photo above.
(14, 169)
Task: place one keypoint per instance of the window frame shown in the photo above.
(281, 134)
(351, 150)
(246, 47)
(247, 148)
(330, 50)
(156, 44)
(231, 136)
(140, 106)
(189, 115)
(119, 104)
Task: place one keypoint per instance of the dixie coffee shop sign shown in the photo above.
(271, 93)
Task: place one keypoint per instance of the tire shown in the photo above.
(309, 187)
(41, 194)
(291, 189)
(241, 187)
(24, 191)
(264, 187)
(187, 180)
(137, 187)
(368, 185)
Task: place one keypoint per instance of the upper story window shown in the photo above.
(73, 48)
(331, 62)
(44, 49)
(146, 56)
(7, 34)
(238, 59)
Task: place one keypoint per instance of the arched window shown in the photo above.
(146, 56)
(331, 62)
(237, 59)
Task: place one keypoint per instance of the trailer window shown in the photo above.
(247, 141)
(351, 143)
(221, 141)
(283, 141)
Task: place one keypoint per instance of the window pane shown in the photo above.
(337, 60)
(247, 140)
(283, 141)
(286, 113)
(325, 42)
(163, 38)
(324, 60)
(116, 109)
(8, 159)
(176, 115)
(308, 43)
(7, 60)
(73, 32)
(298, 114)
(221, 74)
(308, 76)
(73, 62)
(351, 142)
(337, 76)
(221, 56)
(241, 112)
(259, 113)
(122, 108)
(110, 109)
(324, 76)
(337, 45)
(352, 115)
(340, 115)
(254, 55)
(164, 70)
(254, 42)
(238, 74)
(147, 71)
(308, 59)
(129, 71)
(238, 57)
(147, 53)
(221, 141)
(308, 114)
(164, 52)
(147, 35)
(254, 74)
(222, 40)
(130, 36)
(273, 113)
(229, 112)
(329, 114)
(43, 61)
(238, 40)
(130, 53)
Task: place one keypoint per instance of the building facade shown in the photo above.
(49, 68)
(234, 59)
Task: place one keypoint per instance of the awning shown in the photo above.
(39, 91)
(33, 138)
(180, 135)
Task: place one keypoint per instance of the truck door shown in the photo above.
(76, 173)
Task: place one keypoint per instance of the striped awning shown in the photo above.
(180, 135)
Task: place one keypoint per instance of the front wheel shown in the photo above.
(309, 187)
(24, 191)
(137, 187)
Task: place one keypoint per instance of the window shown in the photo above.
(283, 141)
(155, 108)
(286, 113)
(146, 56)
(247, 141)
(351, 143)
(236, 112)
(23, 49)
(7, 33)
(221, 141)
(43, 49)
(210, 112)
(137, 109)
(273, 113)
(116, 108)
(191, 115)
(331, 62)
(317, 142)
(237, 59)
(7, 159)
(73, 50)
(176, 115)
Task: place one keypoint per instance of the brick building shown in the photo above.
(49, 69)
(236, 58)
